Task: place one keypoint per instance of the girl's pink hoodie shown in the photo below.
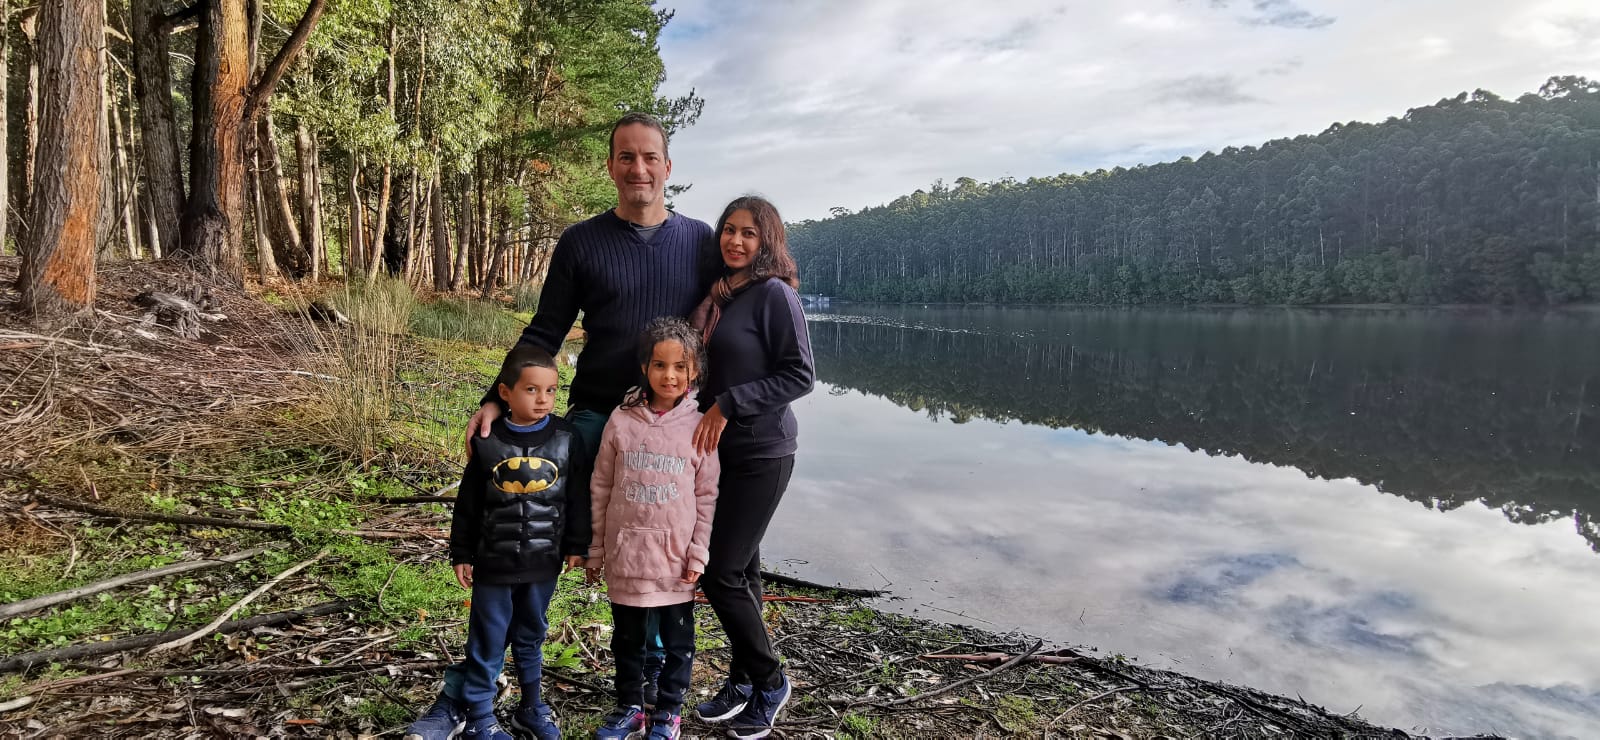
(652, 498)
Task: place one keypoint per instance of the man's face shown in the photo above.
(639, 166)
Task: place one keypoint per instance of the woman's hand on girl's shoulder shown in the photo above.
(709, 431)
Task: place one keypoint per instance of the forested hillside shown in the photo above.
(1474, 199)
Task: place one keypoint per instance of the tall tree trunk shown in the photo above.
(464, 222)
(412, 198)
(67, 217)
(5, 125)
(152, 85)
(281, 223)
(124, 178)
(266, 260)
(30, 118)
(385, 184)
(441, 236)
(310, 202)
(212, 225)
(355, 250)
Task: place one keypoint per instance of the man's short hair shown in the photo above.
(638, 119)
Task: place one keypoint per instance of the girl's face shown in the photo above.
(534, 395)
(741, 240)
(670, 372)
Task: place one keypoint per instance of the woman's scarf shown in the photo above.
(709, 311)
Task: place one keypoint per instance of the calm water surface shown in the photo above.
(1388, 510)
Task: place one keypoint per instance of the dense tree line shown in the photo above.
(1501, 414)
(1475, 199)
(446, 143)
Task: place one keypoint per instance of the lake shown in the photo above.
(1385, 510)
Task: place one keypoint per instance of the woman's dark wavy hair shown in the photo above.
(773, 259)
(668, 329)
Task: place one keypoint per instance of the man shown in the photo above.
(621, 268)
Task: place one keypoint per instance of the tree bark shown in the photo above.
(310, 203)
(212, 224)
(355, 248)
(30, 120)
(124, 178)
(441, 236)
(282, 226)
(266, 261)
(5, 124)
(66, 216)
(385, 184)
(464, 221)
(158, 131)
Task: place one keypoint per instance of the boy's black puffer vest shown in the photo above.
(523, 519)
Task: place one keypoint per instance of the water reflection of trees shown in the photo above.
(1439, 417)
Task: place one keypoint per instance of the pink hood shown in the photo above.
(652, 498)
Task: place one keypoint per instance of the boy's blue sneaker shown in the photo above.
(665, 725)
(535, 723)
(759, 715)
(729, 701)
(623, 723)
(443, 721)
(486, 728)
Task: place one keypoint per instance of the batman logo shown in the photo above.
(524, 475)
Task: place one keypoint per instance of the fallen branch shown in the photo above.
(773, 598)
(998, 657)
(237, 605)
(150, 516)
(398, 534)
(784, 580)
(36, 603)
(92, 649)
(575, 681)
(947, 688)
(1090, 700)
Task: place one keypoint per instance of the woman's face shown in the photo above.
(741, 241)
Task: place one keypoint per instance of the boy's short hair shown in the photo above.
(520, 357)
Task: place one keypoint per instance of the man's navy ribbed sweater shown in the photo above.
(620, 282)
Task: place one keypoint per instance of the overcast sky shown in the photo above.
(854, 103)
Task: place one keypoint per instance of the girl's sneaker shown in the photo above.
(623, 723)
(761, 713)
(729, 701)
(665, 725)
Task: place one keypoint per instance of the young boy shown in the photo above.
(522, 508)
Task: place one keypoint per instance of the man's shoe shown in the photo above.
(729, 701)
(665, 725)
(534, 723)
(623, 723)
(759, 715)
(443, 721)
(487, 728)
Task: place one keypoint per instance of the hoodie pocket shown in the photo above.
(644, 553)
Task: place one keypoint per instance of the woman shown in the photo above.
(760, 361)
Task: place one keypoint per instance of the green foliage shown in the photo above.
(475, 322)
(525, 298)
(857, 727)
(1478, 200)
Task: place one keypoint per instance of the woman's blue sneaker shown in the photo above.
(761, 713)
(623, 723)
(443, 721)
(729, 701)
(535, 723)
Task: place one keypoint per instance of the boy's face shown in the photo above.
(534, 395)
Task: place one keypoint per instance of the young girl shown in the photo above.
(652, 498)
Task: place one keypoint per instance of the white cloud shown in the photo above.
(852, 104)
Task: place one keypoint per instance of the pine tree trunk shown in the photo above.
(212, 227)
(67, 216)
(158, 131)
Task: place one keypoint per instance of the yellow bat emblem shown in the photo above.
(524, 475)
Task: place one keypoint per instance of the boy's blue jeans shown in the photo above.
(512, 614)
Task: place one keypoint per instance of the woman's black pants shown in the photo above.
(749, 491)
